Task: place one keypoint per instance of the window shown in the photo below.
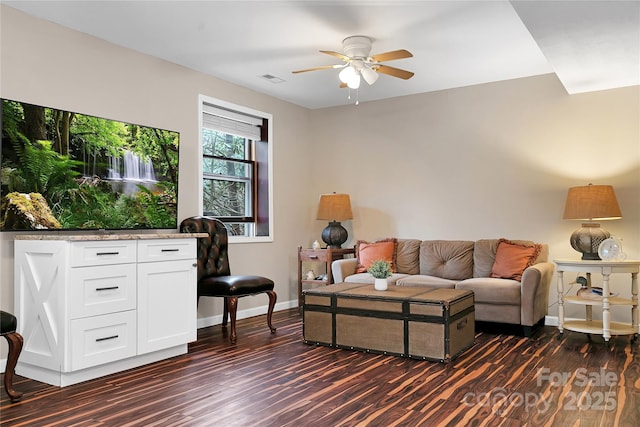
(236, 175)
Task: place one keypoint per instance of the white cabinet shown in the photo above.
(88, 308)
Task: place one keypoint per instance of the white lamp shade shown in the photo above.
(369, 75)
(354, 82)
(347, 74)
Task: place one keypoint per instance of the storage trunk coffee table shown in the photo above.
(431, 324)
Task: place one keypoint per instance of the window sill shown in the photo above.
(242, 239)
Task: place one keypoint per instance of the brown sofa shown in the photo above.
(468, 265)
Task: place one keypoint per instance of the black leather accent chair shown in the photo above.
(8, 326)
(214, 273)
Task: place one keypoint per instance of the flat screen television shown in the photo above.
(62, 170)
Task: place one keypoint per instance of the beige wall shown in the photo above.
(485, 161)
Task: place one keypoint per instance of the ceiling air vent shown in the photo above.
(271, 78)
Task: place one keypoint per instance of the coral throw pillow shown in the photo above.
(512, 259)
(367, 253)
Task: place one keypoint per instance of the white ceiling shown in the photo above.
(590, 45)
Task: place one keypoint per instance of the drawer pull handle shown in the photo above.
(107, 253)
(112, 337)
(313, 256)
(110, 288)
(461, 324)
(169, 250)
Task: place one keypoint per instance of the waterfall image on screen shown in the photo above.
(69, 171)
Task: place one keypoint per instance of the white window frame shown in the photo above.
(202, 99)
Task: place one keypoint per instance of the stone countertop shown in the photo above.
(108, 236)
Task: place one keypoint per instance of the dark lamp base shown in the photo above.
(590, 256)
(334, 235)
(587, 239)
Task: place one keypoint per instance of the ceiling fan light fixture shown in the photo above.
(358, 64)
(369, 75)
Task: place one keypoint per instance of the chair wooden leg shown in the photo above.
(225, 311)
(272, 303)
(233, 307)
(15, 341)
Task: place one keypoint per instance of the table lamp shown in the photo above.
(589, 203)
(334, 208)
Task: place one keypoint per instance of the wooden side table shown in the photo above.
(605, 327)
(321, 256)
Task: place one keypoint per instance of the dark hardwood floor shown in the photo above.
(277, 380)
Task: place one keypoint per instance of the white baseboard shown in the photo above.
(204, 322)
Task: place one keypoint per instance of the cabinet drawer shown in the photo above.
(102, 290)
(166, 249)
(102, 339)
(311, 255)
(102, 252)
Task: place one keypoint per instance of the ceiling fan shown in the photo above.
(358, 63)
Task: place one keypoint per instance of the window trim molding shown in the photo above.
(224, 104)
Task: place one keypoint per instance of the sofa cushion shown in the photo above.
(484, 255)
(369, 279)
(408, 256)
(367, 253)
(493, 290)
(427, 281)
(449, 259)
(513, 258)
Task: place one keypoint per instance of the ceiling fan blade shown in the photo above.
(395, 72)
(336, 54)
(343, 85)
(390, 56)
(324, 67)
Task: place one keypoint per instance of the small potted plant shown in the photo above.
(380, 270)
